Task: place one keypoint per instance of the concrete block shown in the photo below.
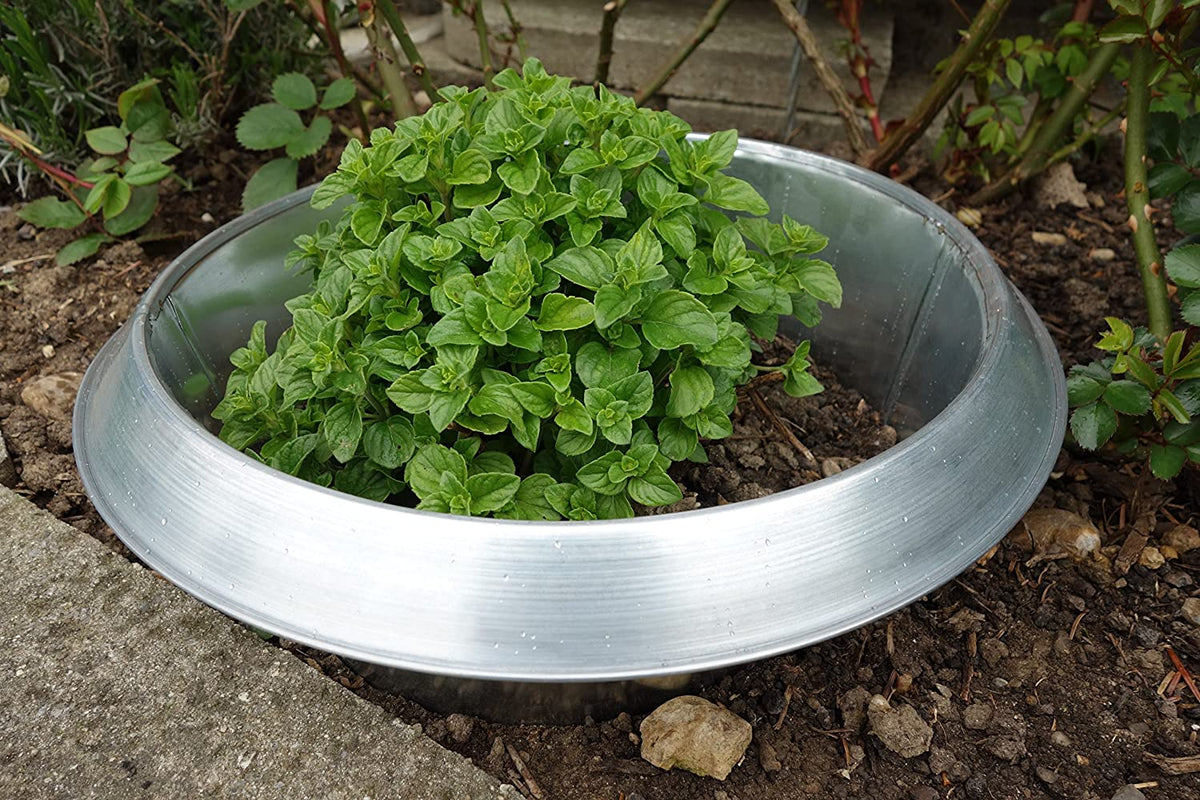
(810, 130)
(747, 59)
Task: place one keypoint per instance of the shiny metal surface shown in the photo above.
(930, 330)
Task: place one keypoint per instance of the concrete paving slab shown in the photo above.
(118, 685)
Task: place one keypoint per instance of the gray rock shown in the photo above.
(1060, 739)
(978, 716)
(8, 470)
(1128, 792)
(993, 650)
(695, 735)
(111, 672)
(1190, 610)
(853, 707)
(53, 396)
(1058, 185)
(942, 760)
(899, 728)
(1005, 748)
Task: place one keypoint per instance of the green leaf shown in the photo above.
(342, 429)
(584, 266)
(655, 489)
(1093, 425)
(1166, 460)
(50, 212)
(267, 126)
(1082, 389)
(562, 313)
(140, 152)
(271, 181)
(470, 167)
(116, 198)
(1176, 409)
(818, 279)
(294, 90)
(1189, 139)
(613, 303)
(1183, 266)
(337, 94)
(1190, 309)
(674, 319)
(691, 390)
(491, 491)
(390, 443)
(142, 203)
(1124, 30)
(1186, 208)
(80, 249)
(311, 139)
(107, 140)
(734, 194)
(1166, 179)
(1127, 397)
(424, 472)
(146, 173)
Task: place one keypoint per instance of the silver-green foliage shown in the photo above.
(536, 302)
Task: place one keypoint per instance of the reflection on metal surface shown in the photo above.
(929, 328)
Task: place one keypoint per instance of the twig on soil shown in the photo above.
(534, 789)
(1182, 670)
(1075, 625)
(787, 701)
(766, 411)
(1183, 765)
(8, 266)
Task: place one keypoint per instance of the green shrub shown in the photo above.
(527, 310)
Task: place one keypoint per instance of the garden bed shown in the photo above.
(1039, 681)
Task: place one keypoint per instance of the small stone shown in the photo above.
(904, 683)
(54, 395)
(1055, 533)
(1102, 254)
(1146, 635)
(695, 735)
(1128, 792)
(1060, 739)
(1049, 239)
(460, 727)
(1046, 775)
(853, 705)
(993, 650)
(971, 217)
(768, 758)
(1057, 185)
(978, 716)
(1177, 579)
(944, 762)
(1096, 200)
(1005, 748)
(1190, 610)
(48, 351)
(1183, 538)
(925, 793)
(1168, 552)
(208, 219)
(1151, 558)
(26, 232)
(899, 728)
(623, 722)
(829, 468)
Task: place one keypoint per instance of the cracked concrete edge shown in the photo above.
(117, 684)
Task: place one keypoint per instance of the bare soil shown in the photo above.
(1055, 680)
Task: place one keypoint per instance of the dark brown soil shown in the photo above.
(1070, 659)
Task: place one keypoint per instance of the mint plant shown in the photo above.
(270, 126)
(116, 191)
(534, 302)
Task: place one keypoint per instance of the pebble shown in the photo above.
(853, 706)
(1190, 610)
(53, 396)
(1183, 538)
(768, 758)
(1151, 558)
(942, 761)
(26, 232)
(695, 735)
(1057, 185)
(48, 350)
(925, 793)
(460, 727)
(1046, 775)
(208, 219)
(1060, 739)
(993, 650)
(1053, 532)
(899, 728)
(1049, 239)
(1179, 580)
(1145, 635)
(1128, 792)
(971, 217)
(1102, 254)
(978, 716)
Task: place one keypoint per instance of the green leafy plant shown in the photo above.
(536, 301)
(1174, 144)
(116, 191)
(270, 126)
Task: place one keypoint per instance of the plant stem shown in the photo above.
(485, 51)
(386, 60)
(515, 27)
(829, 82)
(612, 13)
(898, 141)
(339, 55)
(1087, 135)
(706, 26)
(849, 13)
(415, 62)
(364, 79)
(1051, 132)
(1137, 193)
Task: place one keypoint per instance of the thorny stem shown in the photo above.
(860, 63)
(415, 62)
(364, 79)
(1051, 132)
(608, 26)
(829, 81)
(385, 59)
(515, 26)
(898, 141)
(1137, 193)
(323, 10)
(485, 51)
(706, 26)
